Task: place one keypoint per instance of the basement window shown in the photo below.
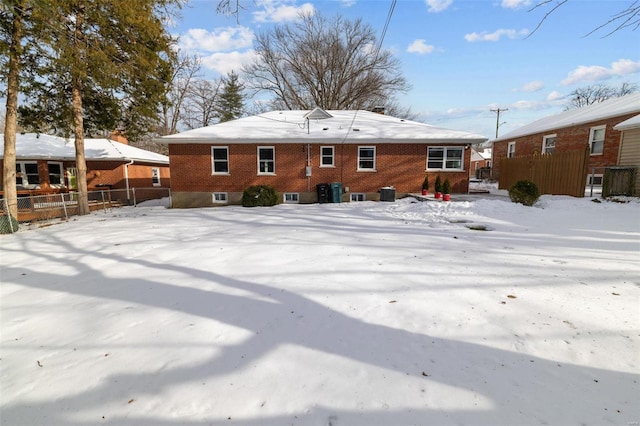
(358, 196)
(220, 198)
(291, 198)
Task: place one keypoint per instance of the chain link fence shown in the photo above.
(36, 208)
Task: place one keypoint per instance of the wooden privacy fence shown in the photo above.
(560, 173)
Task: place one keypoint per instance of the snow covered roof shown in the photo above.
(610, 108)
(632, 123)
(335, 126)
(34, 146)
(476, 155)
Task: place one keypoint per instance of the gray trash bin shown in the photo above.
(388, 193)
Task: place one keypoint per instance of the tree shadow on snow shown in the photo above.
(276, 317)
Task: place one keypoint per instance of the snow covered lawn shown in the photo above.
(332, 314)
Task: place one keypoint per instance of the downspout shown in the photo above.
(308, 170)
(126, 179)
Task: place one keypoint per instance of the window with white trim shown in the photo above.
(327, 156)
(291, 198)
(220, 160)
(367, 158)
(220, 197)
(27, 174)
(511, 149)
(595, 180)
(358, 196)
(548, 144)
(155, 176)
(266, 160)
(55, 174)
(596, 140)
(445, 157)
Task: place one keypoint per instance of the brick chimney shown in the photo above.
(117, 136)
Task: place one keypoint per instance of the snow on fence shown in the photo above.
(33, 208)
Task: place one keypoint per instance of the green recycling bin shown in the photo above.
(336, 192)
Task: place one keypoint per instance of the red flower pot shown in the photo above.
(438, 195)
(446, 197)
(425, 192)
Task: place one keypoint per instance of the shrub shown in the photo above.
(8, 224)
(524, 192)
(446, 187)
(438, 185)
(425, 183)
(260, 196)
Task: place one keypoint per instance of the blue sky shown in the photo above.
(462, 58)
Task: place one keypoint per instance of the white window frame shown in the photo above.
(511, 149)
(291, 198)
(358, 196)
(445, 150)
(590, 177)
(360, 158)
(323, 156)
(61, 180)
(592, 133)
(155, 176)
(273, 161)
(545, 148)
(214, 161)
(22, 170)
(220, 197)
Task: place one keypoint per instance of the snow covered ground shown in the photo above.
(404, 313)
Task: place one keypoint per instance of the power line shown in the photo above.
(386, 25)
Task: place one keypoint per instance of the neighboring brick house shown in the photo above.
(46, 164)
(480, 163)
(629, 152)
(295, 151)
(592, 126)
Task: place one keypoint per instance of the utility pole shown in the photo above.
(498, 124)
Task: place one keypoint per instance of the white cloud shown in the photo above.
(218, 40)
(515, 4)
(555, 96)
(596, 72)
(348, 3)
(436, 6)
(224, 63)
(281, 11)
(496, 35)
(532, 86)
(420, 47)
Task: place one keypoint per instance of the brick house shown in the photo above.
(480, 163)
(295, 151)
(46, 164)
(593, 126)
(629, 152)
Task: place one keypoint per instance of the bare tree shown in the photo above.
(187, 68)
(626, 18)
(332, 64)
(593, 94)
(200, 104)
